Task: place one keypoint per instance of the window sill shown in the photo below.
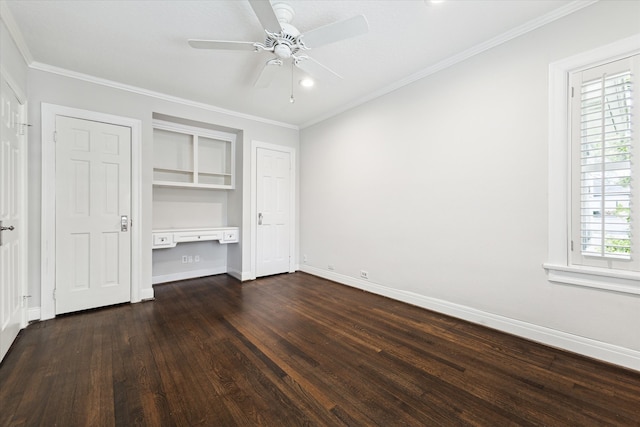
(627, 282)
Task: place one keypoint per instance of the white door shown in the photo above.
(12, 236)
(273, 205)
(93, 204)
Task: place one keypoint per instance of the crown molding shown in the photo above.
(14, 31)
(554, 15)
(158, 95)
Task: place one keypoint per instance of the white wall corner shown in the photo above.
(587, 347)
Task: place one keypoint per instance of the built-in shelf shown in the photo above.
(186, 156)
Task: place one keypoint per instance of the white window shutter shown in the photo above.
(605, 174)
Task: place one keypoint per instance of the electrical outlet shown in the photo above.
(190, 259)
(364, 274)
(330, 267)
(196, 258)
(185, 259)
(304, 258)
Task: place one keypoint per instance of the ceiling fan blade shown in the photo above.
(266, 15)
(268, 73)
(221, 44)
(317, 70)
(337, 31)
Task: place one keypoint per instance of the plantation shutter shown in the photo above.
(604, 158)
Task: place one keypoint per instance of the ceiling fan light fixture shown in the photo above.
(282, 51)
(307, 82)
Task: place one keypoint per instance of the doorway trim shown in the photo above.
(254, 203)
(48, 235)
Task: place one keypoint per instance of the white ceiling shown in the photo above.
(144, 44)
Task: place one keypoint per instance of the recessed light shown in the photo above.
(307, 82)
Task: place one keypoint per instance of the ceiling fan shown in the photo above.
(287, 43)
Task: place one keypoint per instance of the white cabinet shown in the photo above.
(185, 156)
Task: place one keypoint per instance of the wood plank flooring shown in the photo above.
(296, 350)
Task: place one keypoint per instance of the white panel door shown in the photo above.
(273, 206)
(93, 204)
(12, 190)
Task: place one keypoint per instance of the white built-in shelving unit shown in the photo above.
(186, 156)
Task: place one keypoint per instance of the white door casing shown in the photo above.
(12, 215)
(49, 255)
(273, 222)
(93, 204)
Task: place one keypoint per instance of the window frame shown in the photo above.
(559, 266)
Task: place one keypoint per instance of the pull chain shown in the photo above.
(292, 99)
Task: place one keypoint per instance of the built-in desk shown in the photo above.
(169, 238)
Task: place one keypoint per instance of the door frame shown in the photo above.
(254, 203)
(48, 231)
(24, 193)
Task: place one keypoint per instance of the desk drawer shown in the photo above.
(196, 237)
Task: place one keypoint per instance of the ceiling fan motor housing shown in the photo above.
(285, 43)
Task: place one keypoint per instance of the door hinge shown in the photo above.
(572, 246)
(54, 294)
(572, 91)
(55, 136)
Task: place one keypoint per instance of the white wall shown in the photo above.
(439, 189)
(58, 89)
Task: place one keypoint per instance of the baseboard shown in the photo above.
(243, 276)
(146, 294)
(164, 278)
(33, 314)
(591, 348)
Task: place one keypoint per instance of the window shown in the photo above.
(605, 172)
(594, 168)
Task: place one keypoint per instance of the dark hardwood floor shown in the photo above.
(296, 350)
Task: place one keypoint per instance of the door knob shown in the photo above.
(260, 219)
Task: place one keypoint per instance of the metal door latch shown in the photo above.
(10, 228)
